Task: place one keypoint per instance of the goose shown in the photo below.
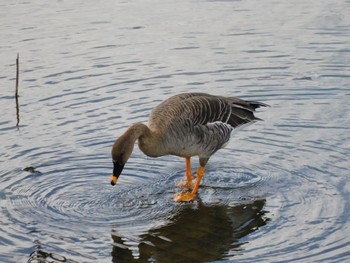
(185, 125)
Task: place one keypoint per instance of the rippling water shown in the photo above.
(278, 192)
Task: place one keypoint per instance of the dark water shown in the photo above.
(280, 190)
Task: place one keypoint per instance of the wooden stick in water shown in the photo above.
(17, 74)
(16, 94)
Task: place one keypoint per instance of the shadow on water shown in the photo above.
(195, 234)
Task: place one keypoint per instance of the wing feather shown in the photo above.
(203, 108)
(199, 122)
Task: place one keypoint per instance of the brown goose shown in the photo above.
(185, 125)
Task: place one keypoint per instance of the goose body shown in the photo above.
(186, 125)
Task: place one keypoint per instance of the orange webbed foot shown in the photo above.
(184, 197)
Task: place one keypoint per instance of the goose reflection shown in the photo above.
(203, 233)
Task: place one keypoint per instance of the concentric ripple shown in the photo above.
(73, 198)
(298, 203)
(84, 201)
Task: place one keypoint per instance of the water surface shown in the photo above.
(88, 70)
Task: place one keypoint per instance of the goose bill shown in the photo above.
(114, 180)
(117, 170)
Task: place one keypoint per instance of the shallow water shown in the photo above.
(278, 192)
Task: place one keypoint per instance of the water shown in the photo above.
(280, 190)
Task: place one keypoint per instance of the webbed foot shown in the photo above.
(184, 197)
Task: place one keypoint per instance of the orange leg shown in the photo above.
(200, 174)
(189, 175)
(188, 183)
(189, 196)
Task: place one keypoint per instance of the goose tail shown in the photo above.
(257, 104)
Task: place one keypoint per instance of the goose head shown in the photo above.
(121, 152)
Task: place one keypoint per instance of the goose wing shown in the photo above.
(201, 108)
(206, 119)
(214, 118)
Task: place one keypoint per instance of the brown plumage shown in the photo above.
(186, 125)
